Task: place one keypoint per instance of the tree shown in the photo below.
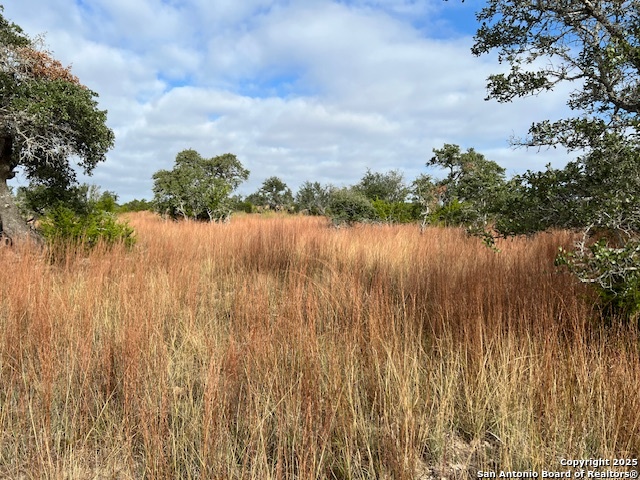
(198, 188)
(389, 187)
(313, 198)
(35, 200)
(472, 188)
(595, 45)
(388, 193)
(608, 256)
(46, 117)
(538, 201)
(348, 206)
(136, 205)
(273, 193)
(426, 194)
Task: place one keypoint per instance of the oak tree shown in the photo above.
(595, 46)
(389, 186)
(472, 188)
(47, 117)
(274, 194)
(197, 187)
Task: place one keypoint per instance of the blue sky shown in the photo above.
(301, 89)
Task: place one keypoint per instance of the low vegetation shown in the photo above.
(281, 348)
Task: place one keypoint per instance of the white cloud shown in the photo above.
(306, 90)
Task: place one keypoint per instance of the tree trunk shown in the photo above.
(13, 227)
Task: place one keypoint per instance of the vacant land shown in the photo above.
(282, 348)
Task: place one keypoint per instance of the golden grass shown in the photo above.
(282, 348)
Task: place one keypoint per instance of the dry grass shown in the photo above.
(281, 348)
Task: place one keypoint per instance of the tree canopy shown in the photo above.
(593, 44)
(596, 47)
(313, 198)
(46, 117)
(472, 188)
(389, 186)
(273, 193)
(197, 187)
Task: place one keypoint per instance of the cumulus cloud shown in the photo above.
(305, 90)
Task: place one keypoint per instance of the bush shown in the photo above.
(244, 206)
(347, 207)
(452, 214)
(396, 212)
(136, 206)
(62, 224)
(313, 198)
(614, 272)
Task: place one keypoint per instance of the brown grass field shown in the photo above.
(273, 348)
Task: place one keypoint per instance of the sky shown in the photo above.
(317, 90)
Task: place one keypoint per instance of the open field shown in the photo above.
(282, 348)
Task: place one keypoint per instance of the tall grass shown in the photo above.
(283, 348)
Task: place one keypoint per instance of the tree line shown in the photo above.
(202, 189)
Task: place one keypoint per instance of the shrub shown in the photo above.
(136, 205)
(452, 214)
(347, 207)
(62, 224)
(614, 272)
(396, 212)
(313, 198)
